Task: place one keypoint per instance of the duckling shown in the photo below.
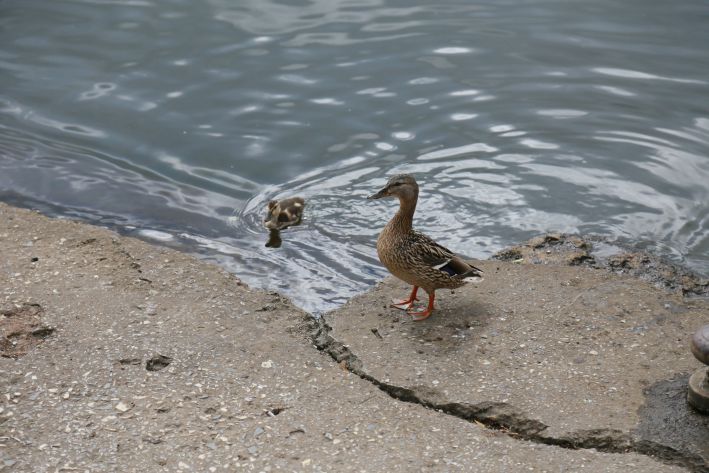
(412, 256)
(284, 213)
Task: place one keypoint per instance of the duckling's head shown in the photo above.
(403, 186)
(284, 213)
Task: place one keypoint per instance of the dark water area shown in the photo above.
(177, 121)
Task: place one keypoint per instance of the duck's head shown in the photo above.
(284, 213)
(403, 186)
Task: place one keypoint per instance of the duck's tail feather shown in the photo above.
(472, 276)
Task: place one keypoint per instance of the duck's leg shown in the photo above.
(406, 304)
(424, 314)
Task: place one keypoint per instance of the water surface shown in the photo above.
(178, 120)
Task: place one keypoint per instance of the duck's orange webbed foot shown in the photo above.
(406, 304)
(419, 315)
(403, 304)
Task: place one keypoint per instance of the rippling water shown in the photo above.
(179, 120)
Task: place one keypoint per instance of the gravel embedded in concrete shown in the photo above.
(160, 362)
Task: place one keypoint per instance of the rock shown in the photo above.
(554, 248)
(575, 250)
(700, 344)
(122, 407)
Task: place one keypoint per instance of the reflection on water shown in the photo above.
(274, 239)
(516, 119)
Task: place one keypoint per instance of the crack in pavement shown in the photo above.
(503, 417)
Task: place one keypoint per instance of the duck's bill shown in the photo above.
(378, 195)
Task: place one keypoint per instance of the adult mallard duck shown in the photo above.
(284, 213)
(412, 256)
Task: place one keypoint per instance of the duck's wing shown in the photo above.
(427, 251)
(437, 256)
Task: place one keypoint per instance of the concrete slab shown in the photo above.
(559, 354)
(151, 360)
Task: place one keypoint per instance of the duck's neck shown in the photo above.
(403, 220)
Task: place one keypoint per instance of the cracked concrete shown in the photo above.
(562, 355)
(160, 362)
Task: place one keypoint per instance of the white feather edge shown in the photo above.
(477, 279)
(439, 266)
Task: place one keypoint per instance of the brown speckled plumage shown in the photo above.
(412, 256)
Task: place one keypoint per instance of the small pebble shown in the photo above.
(121, 407)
